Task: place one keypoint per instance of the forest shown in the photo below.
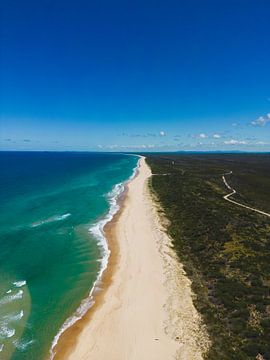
(225, 248)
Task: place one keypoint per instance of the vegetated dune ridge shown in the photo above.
(146, 310)
(224, 247)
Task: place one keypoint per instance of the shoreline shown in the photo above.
(139, 311)
(66, 339)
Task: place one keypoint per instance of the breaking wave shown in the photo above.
(9, 298)
(97, 230)
(51, 219)
(6, 332)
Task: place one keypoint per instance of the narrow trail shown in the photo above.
(233, 191)
(160, 174)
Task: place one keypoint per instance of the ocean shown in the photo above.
(52, 248)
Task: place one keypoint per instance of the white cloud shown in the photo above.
(162, 133)
(143, 146)
(235, 142)
(126, 147)
(216, 136)
(261, 121)
(261, 143)
(114, 146)
(202, 136)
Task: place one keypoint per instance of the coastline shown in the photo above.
(67, 336)
(144, 307)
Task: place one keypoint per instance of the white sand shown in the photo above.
(147, 312)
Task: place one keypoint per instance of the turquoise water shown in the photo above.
(49, 260)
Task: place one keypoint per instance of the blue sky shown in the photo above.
(135, 75)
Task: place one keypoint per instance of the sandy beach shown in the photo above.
(145, 310)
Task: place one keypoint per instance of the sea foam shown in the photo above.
(7, 299)
(11, 318)
(15, 317)
(19, 283)
(51, 219)
(97, 230)
(23, 345)
(5, 332)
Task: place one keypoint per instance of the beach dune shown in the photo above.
(133, 320)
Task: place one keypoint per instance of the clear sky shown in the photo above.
(135, 75)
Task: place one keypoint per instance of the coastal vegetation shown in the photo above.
(225, 248)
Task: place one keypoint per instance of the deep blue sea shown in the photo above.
(53, 207)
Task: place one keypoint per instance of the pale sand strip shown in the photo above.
(147, 310)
